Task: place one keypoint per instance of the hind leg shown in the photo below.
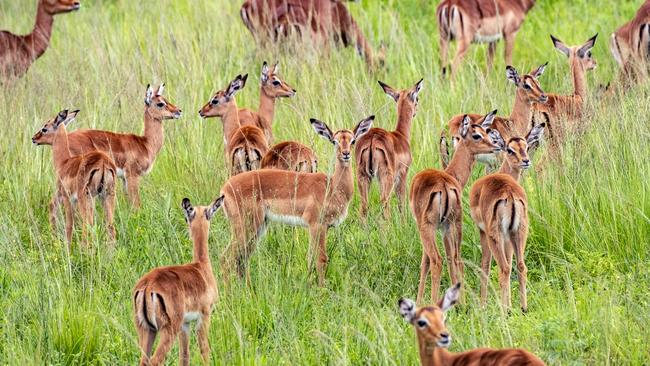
(518, 240)
(434, 265)
(386, 183)
(167, 337)
(109, 207)
(184, 346)
(363, 182)
(146, 338)
(497, 244)
(54, 207)
(204, 328)
(452, 240)
(492, 47)
(87, 212)
(486, 261)
(400, 188)
(69, 220)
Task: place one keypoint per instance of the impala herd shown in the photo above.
(281, 183)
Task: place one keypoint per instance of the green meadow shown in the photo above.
(588, 251)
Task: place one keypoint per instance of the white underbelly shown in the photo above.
(286, 219)
(341, 217)
(120, 173)
(191, 316)
(487, 38)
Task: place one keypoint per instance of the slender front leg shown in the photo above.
(318, 234)
(492, 47)
(509, 40)
(204, 328)
(69, 219)
(54, 208)
(133, 186)
(184, 346)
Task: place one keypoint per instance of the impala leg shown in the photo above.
(109, 207)
(363, 183)
(486, 261)
(492, 48)
(146, 338)
(69, 219)
(400, 188)
(463, 47)
(167, 337)
(318, 233)
(133, 187)
(86, 211)
(448, 241)
(54, 207)
(386, 183)
(444, 54)
(518, 239)
(184, 346)
(428, 238)
(509, 40)
(498, 252)
(204, 328)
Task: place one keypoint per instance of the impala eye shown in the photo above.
(160, 105)
(527, 87)
(422, 323)
(511, 151)
(214, 101)
(276, 83)
(476, 136)
(44, 130)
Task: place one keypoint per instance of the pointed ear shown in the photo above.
(444, 150)
(322, 129)
(488, 119)
(390, 91)
(539, 71)
(416, 90)
(582, 51)
(496, 138)
(464, 126)
(188, 210)
(60, 118)
(512, 75)
(406, 309)
(265, 73)
(560, 46)
(451, 297)
(148, 95)
(71, 117)
(276, 68)
(236, 85)
(535, 135)
(213, 208)
(362, 127)
(161, 90)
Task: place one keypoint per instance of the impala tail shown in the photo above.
(508, 213)
(146, 303)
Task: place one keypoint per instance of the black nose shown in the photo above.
(444, 335)
(526, 161)
(294, 90)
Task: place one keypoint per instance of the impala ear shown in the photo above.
(390, 91)
(265, 73)
(148, 95)
(60, 118)
(512, 75)
(362, 128)
(276, 68)
(161, 90)
(535, 135)
(560, 46)
(416, 91)
(188, 210)
(489, 119)
(214, 207)
(71, 117)
(464, 126)
(451, 297)
(236, 85)
(406, 309)
(582, 51)
(322, 129)
(539, 71)
(497, 139)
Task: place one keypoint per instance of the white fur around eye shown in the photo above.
(422, 323)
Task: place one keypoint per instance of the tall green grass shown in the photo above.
(590, 227)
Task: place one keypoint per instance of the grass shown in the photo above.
(588, 252)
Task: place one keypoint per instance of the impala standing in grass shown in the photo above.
(630, 44)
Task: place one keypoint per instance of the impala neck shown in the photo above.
(508, 169)
(341, 182)
(460, 166)
(154, 132)
(200, 239)
(404, 117)
(579, 78)
(432, 355)
(39, 39)
(521, 112)
(230, 121)
(267, 107)
(60, 147)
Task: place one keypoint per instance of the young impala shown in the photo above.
(562, 107)
(287, 155)
(244, 145)
(479, 21)
(527, 93)
(17, 53)
(134, 155)
(79, 178)
(499, 207)
(324, 21)
(630, 44)
(436, 203)
(386, 155)
(313, 200)
(434, 339)
(167, 299)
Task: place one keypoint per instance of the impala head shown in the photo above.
(429, 321)
(46, 135)
(343, 139)
(198, 218)
(528, 85)
(476, 137)
(407, 99)
(516, 149)
(272, 85)
(158, 106)
(221, 101)
(60, 6)
(581, 54)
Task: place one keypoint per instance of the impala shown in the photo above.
(134, 155)
(434, 339)
(479, 21)
(79, 178)
(244, 145)
(630, 44)
(321, 20)
(499, 208)
(436, 203)
(561, 107)
(313, 200)
(167, 299)
(18, 53)
(386, 155)
(527, 93)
